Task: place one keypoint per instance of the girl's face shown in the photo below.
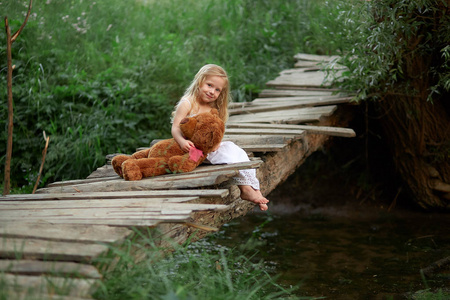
(210, 89)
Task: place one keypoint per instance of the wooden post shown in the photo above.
(9, 40)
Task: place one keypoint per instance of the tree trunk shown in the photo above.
(418, 133)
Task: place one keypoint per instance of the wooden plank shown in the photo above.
(68, 233)
(329, 109)
(178, 179)
(50, 250)
(315, 57)
(266, 131)
(48, 287)
(103, 171)
(37, 267)
(297, 115)
(256, 139)
(291, 103)
(333, 131)
(306, 64)
(270, 93)
(308, 101)
(296, 119)
(264, 148)
(22, 295)
(130, 222)
(76, 207)
(171, 181)
(304, 79)
(114, 177)
(203, 193)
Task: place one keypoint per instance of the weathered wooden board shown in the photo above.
(266, 131)
(264, 148)
(172, 181)
(203, 193)
(270, 93)
(256, 139)
(315, 58)
(50, 250)
(329, 130)
(151, 220)
(326, 110)
(297, 115)
(48, 287)
(307, 101)
(203, 168)
(303, 79)
(68, 233)
(274, 104)
(275, 101)
(296, 119)
(37, 267)
(117, 212)
(8, 209)
(307, 64)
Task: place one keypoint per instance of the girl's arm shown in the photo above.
(181, 113)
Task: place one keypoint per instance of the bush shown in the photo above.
(102, 77)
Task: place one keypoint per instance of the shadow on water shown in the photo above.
(320, 236)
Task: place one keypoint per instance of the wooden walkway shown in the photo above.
(52, 240)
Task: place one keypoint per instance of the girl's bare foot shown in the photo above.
(255, 196)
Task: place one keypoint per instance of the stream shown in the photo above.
(319, 236)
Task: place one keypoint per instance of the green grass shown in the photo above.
(194, 271)
(102, 77)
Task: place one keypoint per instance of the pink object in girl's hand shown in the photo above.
(195, 154)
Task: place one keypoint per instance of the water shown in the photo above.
(333, 245)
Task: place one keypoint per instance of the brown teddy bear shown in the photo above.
(205, 130)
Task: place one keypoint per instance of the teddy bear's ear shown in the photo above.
(214, 111)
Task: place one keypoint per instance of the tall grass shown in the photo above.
(102, 77)
(194, 271)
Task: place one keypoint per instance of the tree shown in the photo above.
(401, 61)
(10, 39)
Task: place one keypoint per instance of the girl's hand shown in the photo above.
(186, 145)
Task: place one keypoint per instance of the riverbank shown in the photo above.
(344, 241)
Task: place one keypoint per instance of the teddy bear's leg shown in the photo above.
(182, 163)
(141, 154)
(131, 170)
(117, 162)
(136, 169)
(153, 166)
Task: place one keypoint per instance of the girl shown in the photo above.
(210, 89)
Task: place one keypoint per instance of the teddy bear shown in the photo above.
(205, 130)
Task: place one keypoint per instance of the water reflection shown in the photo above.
(345, 250)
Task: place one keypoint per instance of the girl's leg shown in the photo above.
(250, 194)
(246, 180)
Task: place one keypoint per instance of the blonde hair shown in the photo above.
(192, 92)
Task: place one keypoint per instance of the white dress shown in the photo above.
(230, 153)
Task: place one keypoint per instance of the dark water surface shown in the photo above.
(333, 245)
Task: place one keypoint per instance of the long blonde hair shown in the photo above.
(192, 92)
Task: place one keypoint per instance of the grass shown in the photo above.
(102, 77)
(193, 271)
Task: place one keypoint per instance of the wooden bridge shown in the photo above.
(52, 240)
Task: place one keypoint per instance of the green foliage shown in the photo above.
(102, 77)
(392, 40)
(194, 271)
